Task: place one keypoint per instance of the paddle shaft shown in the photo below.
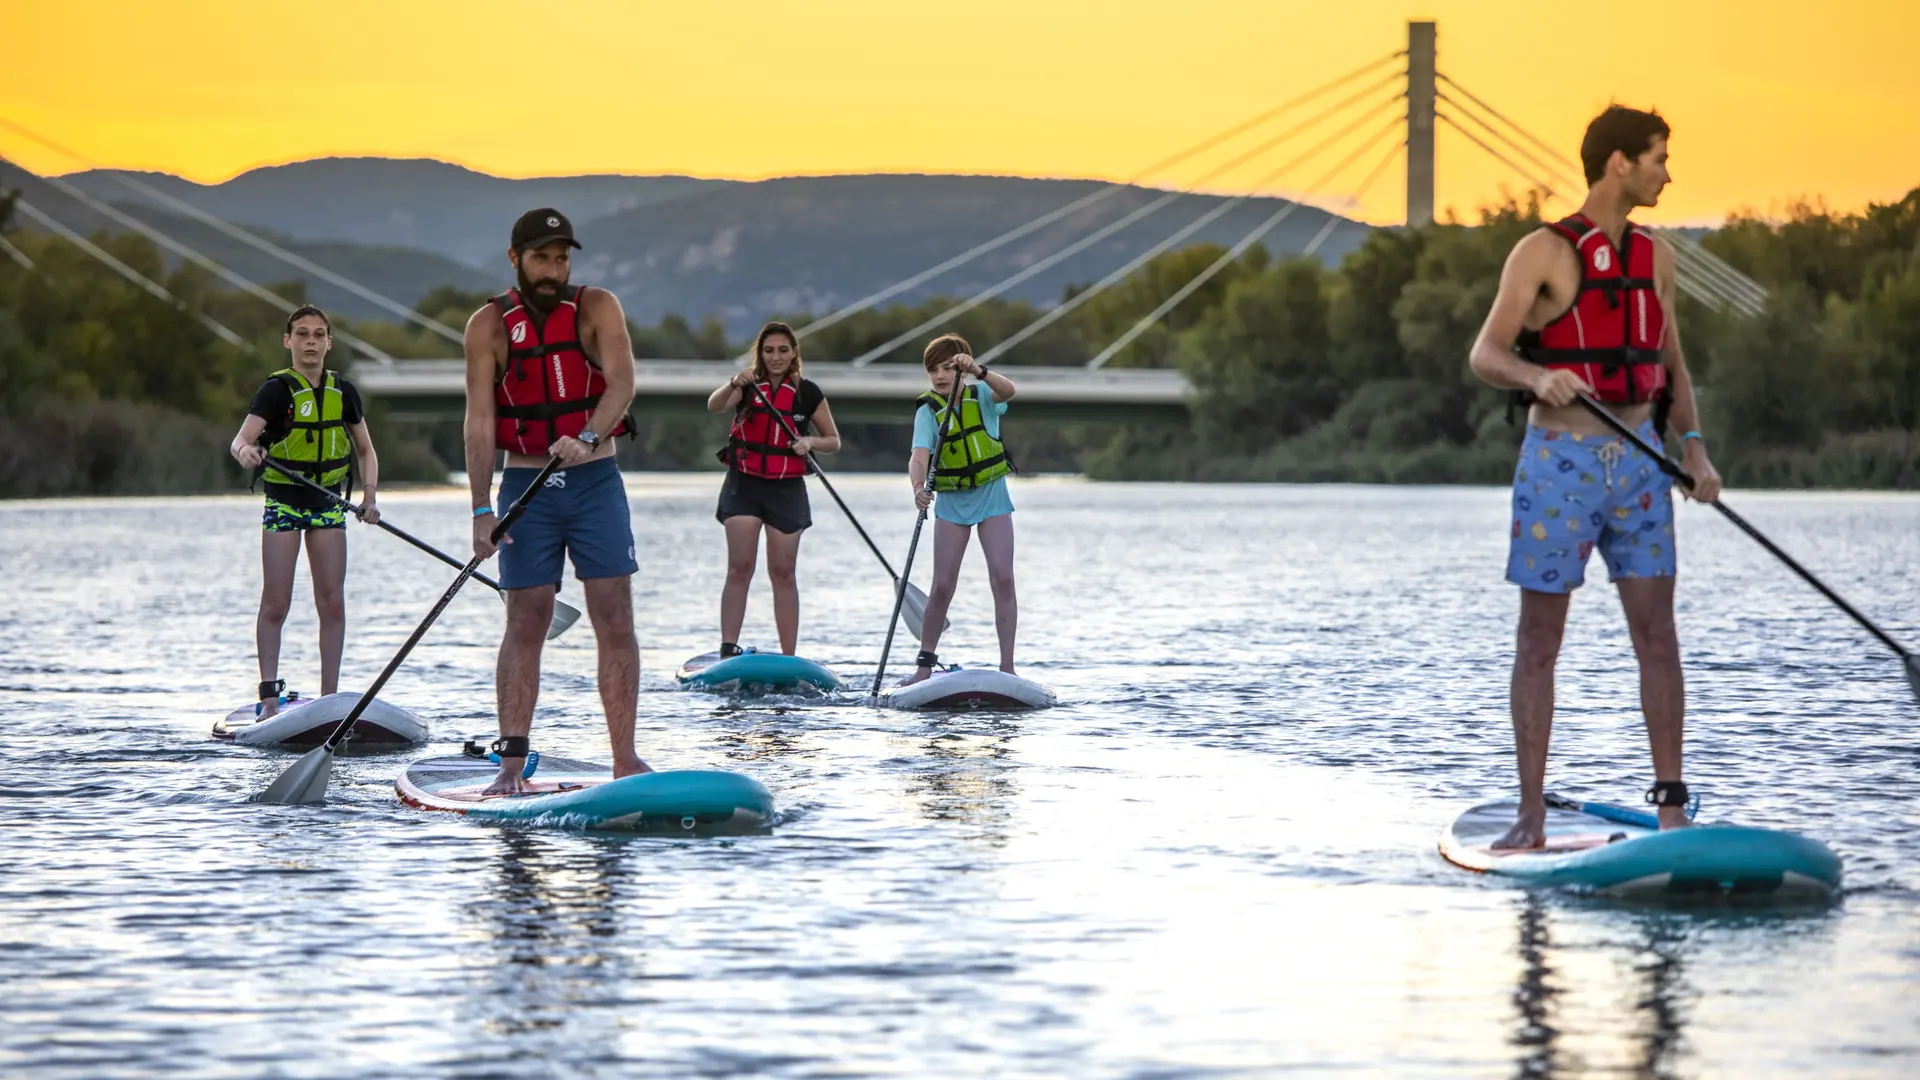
(499, 530)
(1673, 469)
(346, 504)
(900, 592)
(814, 463)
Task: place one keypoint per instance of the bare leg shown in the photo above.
(743, 544)
(1543, 620)
(516, 677)
(783, 554)
(327, 562)
(996, 543)
(1648, 603)
(949, 548)
(279, 554)
(610, 609)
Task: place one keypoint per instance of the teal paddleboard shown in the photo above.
(563, 793)
(1620, 851)
(753, 671)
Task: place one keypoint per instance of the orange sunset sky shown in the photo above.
(1769, 99)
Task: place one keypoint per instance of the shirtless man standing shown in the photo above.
(550, 374)
(1586, 306)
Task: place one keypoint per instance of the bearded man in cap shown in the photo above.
(550, 375)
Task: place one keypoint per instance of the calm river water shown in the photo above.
(1217, 857)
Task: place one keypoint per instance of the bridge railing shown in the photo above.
(841, 380)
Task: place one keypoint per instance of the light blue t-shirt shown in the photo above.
(974, 505)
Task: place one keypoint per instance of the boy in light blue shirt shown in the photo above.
(970, 478)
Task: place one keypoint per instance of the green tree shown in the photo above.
(1261, 361)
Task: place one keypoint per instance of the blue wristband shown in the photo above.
(1693, 435)
(482, 511)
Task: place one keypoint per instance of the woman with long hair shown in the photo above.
(766, 485)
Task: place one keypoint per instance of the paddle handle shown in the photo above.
(1673, 469)
(900, 589)
(499, 530)
(287, 469)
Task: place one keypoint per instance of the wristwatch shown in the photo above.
(982, 373)
(588, 437)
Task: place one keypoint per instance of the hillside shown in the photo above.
(446, 209)
(669, 245)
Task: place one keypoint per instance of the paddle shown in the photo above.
(916, 605)
(564, 614)
(1667, 465)
(933, 468)
(306, 780)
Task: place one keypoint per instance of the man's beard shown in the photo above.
(545, 302)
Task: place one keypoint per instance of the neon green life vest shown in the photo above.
(316, 437)
(969, 457)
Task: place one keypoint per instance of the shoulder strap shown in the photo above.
(506, 301)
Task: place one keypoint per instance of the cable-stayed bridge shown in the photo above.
(1331, 145)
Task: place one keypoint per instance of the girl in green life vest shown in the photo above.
(970, 469)
(311, 418)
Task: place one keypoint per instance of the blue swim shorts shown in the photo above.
(581, 511)
(1572, 492)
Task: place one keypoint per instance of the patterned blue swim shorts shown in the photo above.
(1571, 492)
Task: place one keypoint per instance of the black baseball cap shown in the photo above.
(538, 228)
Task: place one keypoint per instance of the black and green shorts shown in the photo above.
(283, 518)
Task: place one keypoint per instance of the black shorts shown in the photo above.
(782, 504)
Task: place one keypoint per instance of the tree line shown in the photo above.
(1301, 372)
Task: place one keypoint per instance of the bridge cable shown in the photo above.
(1237, 250)
(1095, 237)
(245, 237)
(1353, 201)
(1065, 307)
(1084, 201)
(248, 285)
(146, 283)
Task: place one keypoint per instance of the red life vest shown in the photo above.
(758, 443)
(1613, 334)
(550, 386)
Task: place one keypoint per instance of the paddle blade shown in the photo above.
(564, 616)
(1913, 672)
(304, 783)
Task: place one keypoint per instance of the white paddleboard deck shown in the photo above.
(970, 688)
(304, 723)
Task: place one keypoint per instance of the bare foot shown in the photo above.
(1529, 831)
(1673, 817)
(268, 707)
(629, 765)
(508, 781)
(1007, 667)
(919, 675)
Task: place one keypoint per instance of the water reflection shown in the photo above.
(1606, 988)
(964, 775)
(549, 914)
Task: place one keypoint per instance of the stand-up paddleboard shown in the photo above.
(303, 723)
(568, 794)
(753, 671)
(1618, 851)
(970, 688)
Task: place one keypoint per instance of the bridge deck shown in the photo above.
(842, 381)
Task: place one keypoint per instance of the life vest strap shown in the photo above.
(547, 410)
(1536, 354)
